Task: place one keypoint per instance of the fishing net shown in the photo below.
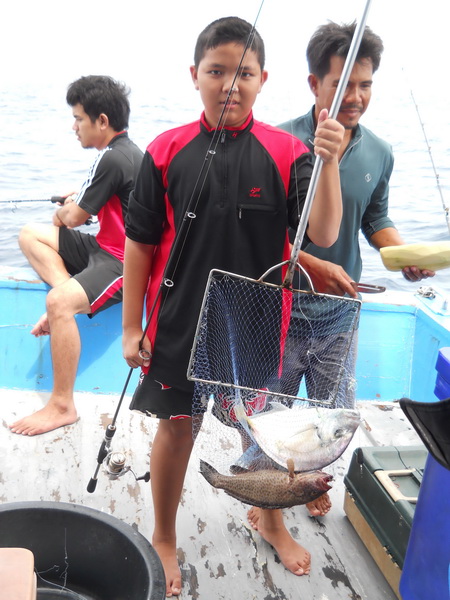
(270, 366)
(254, 338)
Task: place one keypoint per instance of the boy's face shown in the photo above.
(213, 78)
(357, 95)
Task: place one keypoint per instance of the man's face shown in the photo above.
(89, 134)
(357, 94)
(214, 76)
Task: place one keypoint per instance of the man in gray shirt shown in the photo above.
(365, 167)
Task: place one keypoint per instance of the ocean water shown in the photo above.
(40, 156)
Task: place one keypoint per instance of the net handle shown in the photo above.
(303, 223)
(286, 262)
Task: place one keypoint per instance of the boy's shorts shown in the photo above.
(161, 401)
(98, 272)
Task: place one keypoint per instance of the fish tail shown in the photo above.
(242, 417)
(208, 472)
(240, 413)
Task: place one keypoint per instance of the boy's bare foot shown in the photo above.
(320, 506)
(168, 556)
(48, 418)
(269, 523)
(42, 327)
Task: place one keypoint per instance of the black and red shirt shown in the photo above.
(106, 191)
(244, 191)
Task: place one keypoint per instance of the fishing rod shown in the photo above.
(53, 199)
(334, 110)
(436, 174)
(115, 465)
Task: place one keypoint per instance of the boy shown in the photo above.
(85, 272)
(254, 187)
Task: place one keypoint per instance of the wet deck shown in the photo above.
(220, 555)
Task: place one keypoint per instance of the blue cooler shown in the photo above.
(426, 570)
(442, 389)
(425, 574)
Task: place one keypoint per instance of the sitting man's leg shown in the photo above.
(63, 303)
(96, 283)
(40, 245)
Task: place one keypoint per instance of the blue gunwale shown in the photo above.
(399, 340)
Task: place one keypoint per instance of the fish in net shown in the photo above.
(255, 343)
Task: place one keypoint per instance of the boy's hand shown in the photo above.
(328, 138)
(131, 351)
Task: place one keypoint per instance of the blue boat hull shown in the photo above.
(397, 349)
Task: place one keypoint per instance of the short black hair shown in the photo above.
(226, 30)
(332, 39)
(101, 94)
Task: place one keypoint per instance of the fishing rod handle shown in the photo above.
(102, 454)
(93, 480)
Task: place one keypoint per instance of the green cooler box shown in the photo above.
(382, 486)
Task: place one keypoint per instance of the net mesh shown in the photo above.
(273, 371)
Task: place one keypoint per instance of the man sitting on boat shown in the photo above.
(83, 270)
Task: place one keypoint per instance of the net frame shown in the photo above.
(207, 379)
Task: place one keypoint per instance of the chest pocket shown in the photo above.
(252, 209)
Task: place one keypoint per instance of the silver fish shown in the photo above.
(254, 459)
(311, 437)
(269, 489)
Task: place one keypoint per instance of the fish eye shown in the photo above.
(339, 432)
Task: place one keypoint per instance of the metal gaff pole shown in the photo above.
(334, 110)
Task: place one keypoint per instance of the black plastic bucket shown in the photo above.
(81, 553)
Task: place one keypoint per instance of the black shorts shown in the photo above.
(98, 272)
(161, 401)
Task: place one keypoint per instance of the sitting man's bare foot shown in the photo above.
(168, 556)
(48, 418)
(269, 523)
(320, 506)
(42, 327)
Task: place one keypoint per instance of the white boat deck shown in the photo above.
(220, 555)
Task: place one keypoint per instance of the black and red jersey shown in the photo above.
(106, 191)
(244, 191)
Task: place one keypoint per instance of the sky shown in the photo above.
(152, 41)
(149, 45)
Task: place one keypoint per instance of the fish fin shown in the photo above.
(239, 411)
(243, 418)
(290, 466)
(237, 470)
(274, 405)
(306, 439)
(208, 472)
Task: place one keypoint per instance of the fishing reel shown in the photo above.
(114, 463)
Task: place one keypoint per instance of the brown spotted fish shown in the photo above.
(269, 488)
